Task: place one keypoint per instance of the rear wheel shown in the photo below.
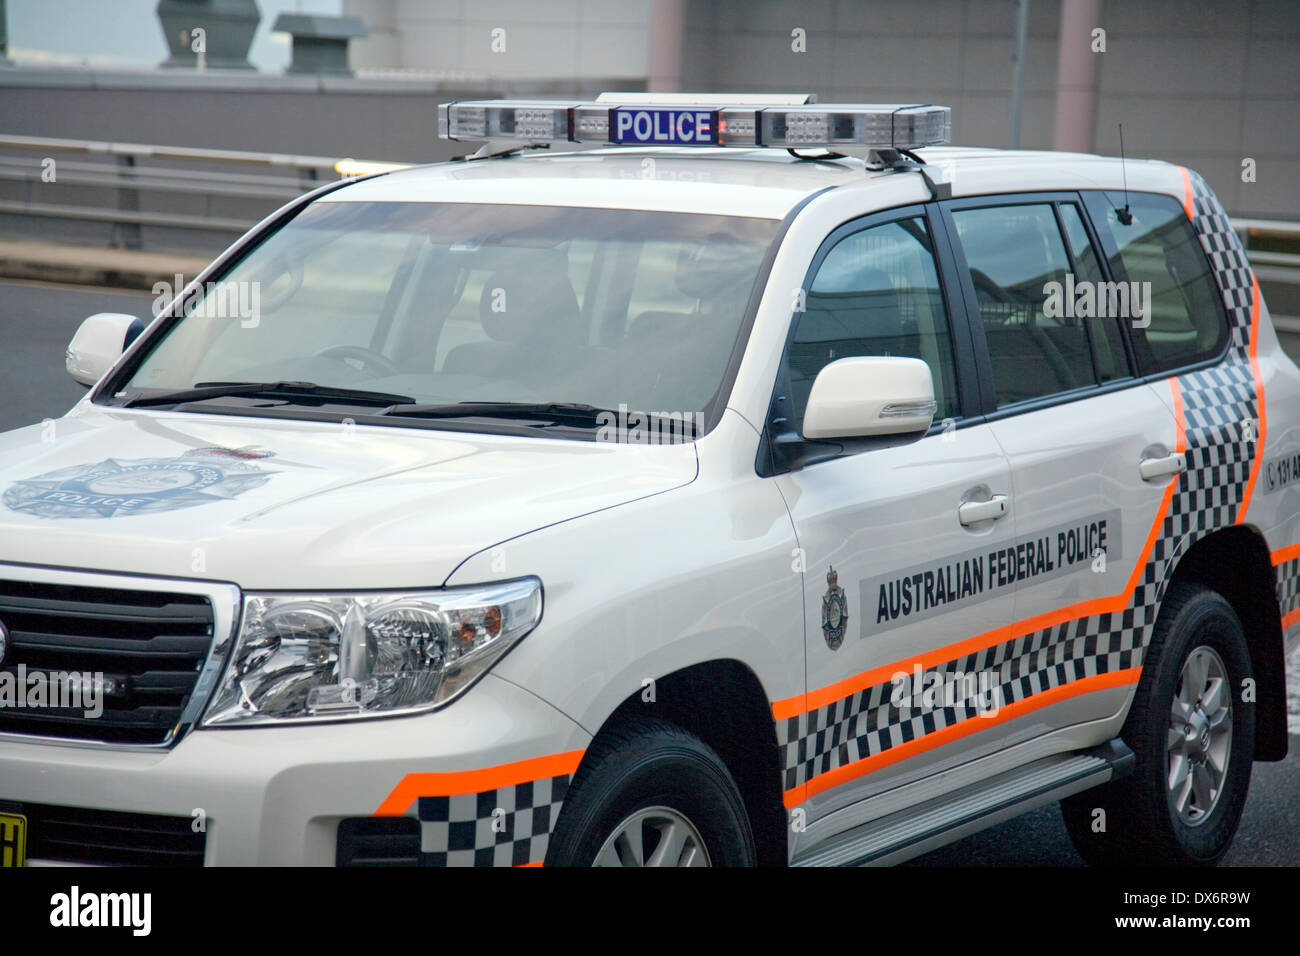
(1194, 739)
(651, 794)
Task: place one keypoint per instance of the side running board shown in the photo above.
(934, 823)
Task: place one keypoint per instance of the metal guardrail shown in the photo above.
(134, 169)
(1271, 266)
(283, 176)
(169, 152)
(1252, 229)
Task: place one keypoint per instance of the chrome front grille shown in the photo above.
(152, 647)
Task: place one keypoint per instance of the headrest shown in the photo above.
(531, 299)
(873, 280)
(869, 306)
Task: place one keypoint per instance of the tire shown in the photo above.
(1150, 821)
(649, 780)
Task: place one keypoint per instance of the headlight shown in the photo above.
(311, 657)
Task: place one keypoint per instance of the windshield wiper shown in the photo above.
(553, 411)
(567, 413)
(285, 390)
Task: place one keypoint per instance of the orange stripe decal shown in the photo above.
(1189, 206)
(415, 785)
(1290, 618)
(791, 706)
(1259, 402)
(802, 703)
(971, 725)
(1283, 555)
(1180, 422)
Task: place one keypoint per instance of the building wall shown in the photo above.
(1205, 84)
(544, 39)
(1209, 84)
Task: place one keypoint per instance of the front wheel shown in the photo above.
(650, 794)
(1193, 732)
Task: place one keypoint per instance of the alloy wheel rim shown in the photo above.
(1199, 741)
(654, 836)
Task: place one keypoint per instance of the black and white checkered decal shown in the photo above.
(1288, 586)
(508, 826)
(1222, 436)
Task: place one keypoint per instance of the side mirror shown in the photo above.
(99, 342)
(870, 395)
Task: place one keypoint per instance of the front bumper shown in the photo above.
(486, 775)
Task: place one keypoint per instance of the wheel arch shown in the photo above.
(1235, 562)
(722, 702)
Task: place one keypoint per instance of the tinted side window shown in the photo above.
(876, 293)
(1183, 311)
(1104, 330)
(1015, 255)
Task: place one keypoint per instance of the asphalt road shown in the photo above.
(37, 321)
(1268, 835)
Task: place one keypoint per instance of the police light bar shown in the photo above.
(362, 167)
(785, 122)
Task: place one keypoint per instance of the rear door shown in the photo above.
(1094, 452)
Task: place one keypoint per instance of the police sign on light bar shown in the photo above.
(657, 126)
(783, 122)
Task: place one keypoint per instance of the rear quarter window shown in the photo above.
(1184, 322)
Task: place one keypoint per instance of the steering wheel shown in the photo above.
(369, 358)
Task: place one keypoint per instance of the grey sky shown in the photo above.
(124, 33)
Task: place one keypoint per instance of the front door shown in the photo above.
(908, 546)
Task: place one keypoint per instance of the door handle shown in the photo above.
(1152, 468)
(973, 512)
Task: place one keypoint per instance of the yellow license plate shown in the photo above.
(13, 840)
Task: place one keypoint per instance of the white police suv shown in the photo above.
(767, 486)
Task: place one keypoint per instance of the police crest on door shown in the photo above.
(835, 611)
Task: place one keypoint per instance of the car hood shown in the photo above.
(291, 504)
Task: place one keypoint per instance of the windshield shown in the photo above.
(448, 303)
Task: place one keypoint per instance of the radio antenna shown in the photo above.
(1123, 215)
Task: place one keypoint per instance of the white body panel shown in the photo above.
(273, 797)
(1075, 478)
(343, 509)
(706, 572)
